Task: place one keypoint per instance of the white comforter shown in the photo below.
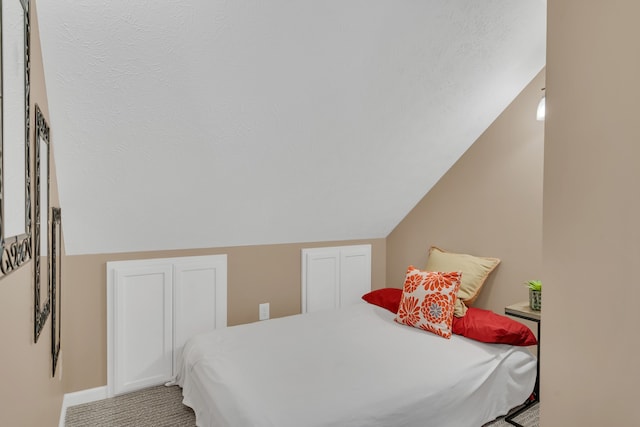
(349, 367)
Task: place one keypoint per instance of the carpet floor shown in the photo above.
(162, 407)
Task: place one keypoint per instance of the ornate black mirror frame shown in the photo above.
(56, 281)
(41, 256)
(15, 249)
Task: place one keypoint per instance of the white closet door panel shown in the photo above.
(355, 273)
(143, 327)
(200, 303)
(335, 276)
(321, 276)
(153, 307)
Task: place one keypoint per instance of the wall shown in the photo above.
(591, 237)
(256, 274)
(489, 203)
(29, 396)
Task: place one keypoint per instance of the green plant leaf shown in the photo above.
(535, 285)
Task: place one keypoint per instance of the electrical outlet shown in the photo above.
(264, 311)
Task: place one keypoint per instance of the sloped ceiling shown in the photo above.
(207, 123)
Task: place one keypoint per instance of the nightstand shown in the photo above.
(524, 311)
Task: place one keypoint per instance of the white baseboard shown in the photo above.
(80, 397)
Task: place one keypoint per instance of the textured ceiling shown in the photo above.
(205, 123)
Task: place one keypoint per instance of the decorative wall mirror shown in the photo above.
(56, 276)
(42, 294)
(15, 181)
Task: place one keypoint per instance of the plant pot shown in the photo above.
(535, 300)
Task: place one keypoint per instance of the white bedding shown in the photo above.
(349, 367)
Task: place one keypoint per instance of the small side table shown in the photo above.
(524, 311)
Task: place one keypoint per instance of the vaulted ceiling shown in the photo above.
(207, 123)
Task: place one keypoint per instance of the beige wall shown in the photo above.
(256, 274)
(29, 395)
(591, 237)
(489, 203)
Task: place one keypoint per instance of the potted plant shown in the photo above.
(535, 294)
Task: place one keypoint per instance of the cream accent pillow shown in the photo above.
(459, 309)
(475, 271)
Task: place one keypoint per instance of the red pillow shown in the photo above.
(388, 298)
(487, 326)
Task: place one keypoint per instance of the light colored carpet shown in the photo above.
(152, 407)
(162, 407)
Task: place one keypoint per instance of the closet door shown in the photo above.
(200, 298)
(320, 279)
(335, 276)
(355, 273)
(153, 307)
(143, 339)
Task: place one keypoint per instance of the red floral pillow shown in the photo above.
(487, 326)
(388, 298)
(428, 300)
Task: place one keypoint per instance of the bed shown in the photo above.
(354, 366)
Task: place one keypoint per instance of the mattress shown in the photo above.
(349, 367)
